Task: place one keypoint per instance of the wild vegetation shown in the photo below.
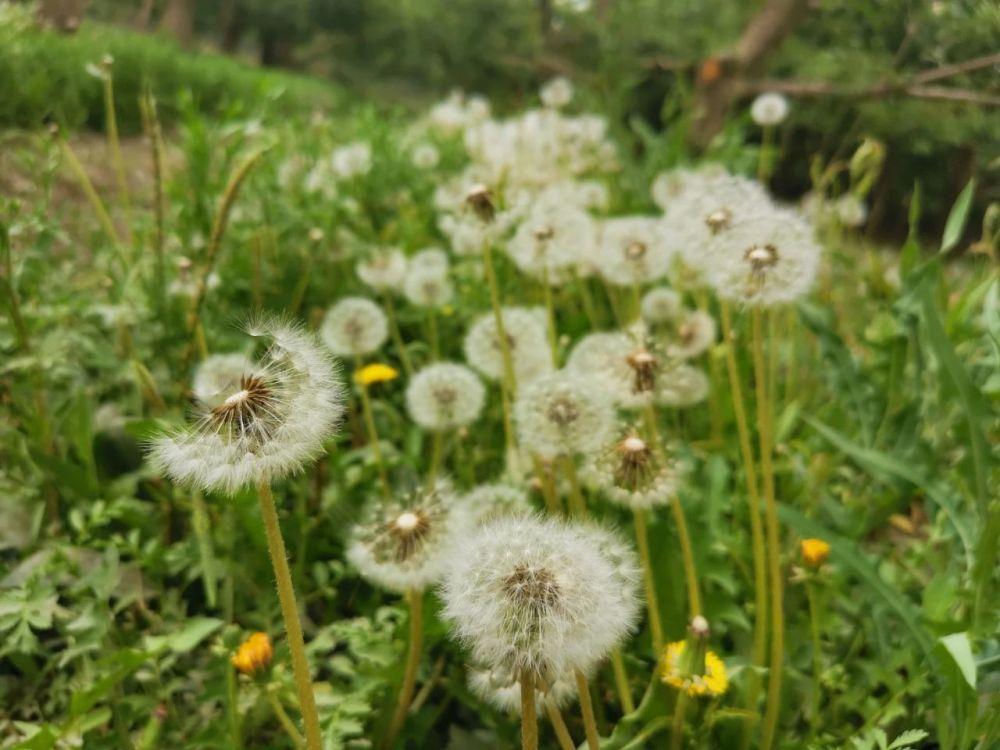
(332, 425)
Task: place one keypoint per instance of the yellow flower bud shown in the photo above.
(814, 552)
(376, 373)
(254, 654)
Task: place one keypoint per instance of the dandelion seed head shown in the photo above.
(351, 160)
(489, 500)
(691, 335)
(660, 305)
(557, 93)
(542, 595)
(354, 326)
(445, 396)
(628, 472)
(384, 269)
(634, 250)
(769, 108)
(216, 376)
(563, 413)
(501, 689)
(551, 240)
(526, 332)
(681, 385)
(428, 286)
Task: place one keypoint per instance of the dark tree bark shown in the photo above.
(231, 25)
(62, 15)
(719, 78)
(178, 20)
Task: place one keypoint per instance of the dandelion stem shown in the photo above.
(817, 655)
(369, 417)
(550, 313)
(416, 600)
(286, 723)
(756, 530)
(588, 301)
(290, 614)
(764, 419)
(652, 601)
(587, 711)
(544, 474)
(677, 726)
(621, 682)
(397, 337)
(576, 502)
(558, 724)
(529, 719)
(508, 384)
(233, 708)
(433, 337)
(437, 451)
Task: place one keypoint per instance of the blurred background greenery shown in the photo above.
(644, 62)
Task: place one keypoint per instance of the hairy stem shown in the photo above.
(587, 711)
(652, 601)
(529, 719)
(677, 725)
(286, 723)
(508, 383)
(416, 601)
(621, 682)
(290, 614)
(558, 724)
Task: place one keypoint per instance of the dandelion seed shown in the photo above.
(562, 414)
(425, 156)
(271, 422)
(445, 396)
(625, 365)
(352, 160)
(428, 286)
(354, 326)
(526, 330)
(551, 240)
(402, 544)
(851, 211)
(541, 596)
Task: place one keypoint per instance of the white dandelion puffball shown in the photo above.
(540, 595)
(354, 326)
(624, 365)
(557, 93)
(551, 240)
(425, 156)
(428, 286)
(660, 305)
(384, 269)
(352, 160)
(674, 185)
(630, 473)
(273, 420)
(766, 261)
(403, 544)
(769, 108)
(501, 689)
(216, 376)
(430, 258)
(634, 250)
(851, 211)
(681, 385)
(444, 396)
(691, 335)
(562, 414)
(526, 331)
(489, 500)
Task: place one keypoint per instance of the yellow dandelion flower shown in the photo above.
(814, 552)
(713, 682)
(376, 373)
(254, 654)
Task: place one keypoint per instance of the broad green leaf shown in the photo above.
(194, 632)
(44, 739)
(958, 217)
(958, 647)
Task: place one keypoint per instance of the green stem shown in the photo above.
(233, 708)
(550, 313)
(205, 553)
(397, 336)
(416, 601)
(621, 682)
(508, 385)
(529, 719)
(817, 656)
(290, 614)
(652, 601)
(558, 724)
(764, 419)
(587, 711)
(433, 337)
(282, 716)
(677, 726)
(753, 510)
(114, 144)
(577, 504)
(369, 417)
(437, 451)
(88, 188)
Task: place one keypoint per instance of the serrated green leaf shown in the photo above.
(909, 737)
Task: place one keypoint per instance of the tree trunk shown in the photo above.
(230, 25)
(719, 78)
(62, 15)
(178, 20)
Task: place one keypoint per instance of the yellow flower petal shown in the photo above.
(376, 373)
(814, 552)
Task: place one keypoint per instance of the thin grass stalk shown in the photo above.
(558, 724)
(369, 417)
(587, 711)
(416, 602)
(219, 224)
(756, 529)
(621, 682)
(103, 217)
(652, 601)
(396, 335)
(765, 434)
(114, 145)
(290, 614)
(817, 657)
(155, 134)
(206, 556)
(233, 708)
(286, 723)
(529, 718)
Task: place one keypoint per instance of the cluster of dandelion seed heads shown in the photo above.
(354, 326)
(384, 269)
(526, 332)
(273, 419)
(769, 260)
(501, 689)
(444, 396)
(562, 414)
(403, 544)
(542, 595)
(629, 472)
